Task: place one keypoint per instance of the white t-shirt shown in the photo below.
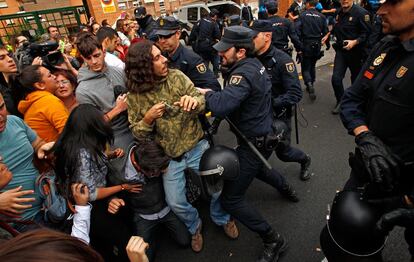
(113, 60)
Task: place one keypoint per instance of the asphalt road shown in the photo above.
(325, 139)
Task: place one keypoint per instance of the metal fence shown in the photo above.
(34, 24)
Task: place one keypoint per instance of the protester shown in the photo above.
(19, 145)
(164, 103)
(66, 91)
(43, 112)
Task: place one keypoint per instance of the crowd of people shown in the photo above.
(116, 118)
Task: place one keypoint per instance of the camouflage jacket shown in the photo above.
(176, 131)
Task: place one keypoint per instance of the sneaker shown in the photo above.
(197, 239)
(230, 229)
(305, 173)
(273, 250)
(289, 193)
(337, 109)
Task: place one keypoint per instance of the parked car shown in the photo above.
(188, 15)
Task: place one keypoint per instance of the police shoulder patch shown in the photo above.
(290, 67)
(201, 68)
(235, 79)
(401, 72)
(367, 18)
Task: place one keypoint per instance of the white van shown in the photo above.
(188, 15)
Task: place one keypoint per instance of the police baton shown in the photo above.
(250, 144)
(296, 124)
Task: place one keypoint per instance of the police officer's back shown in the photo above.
(282, 29)
(311, 27)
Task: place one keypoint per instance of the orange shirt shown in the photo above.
(44, 113)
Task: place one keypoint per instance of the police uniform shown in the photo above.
(186, 60)
(351, 25)
(382, 98)
(286, 92)
(282, 28)
(246, 101)
(311, 28)
(207, 34)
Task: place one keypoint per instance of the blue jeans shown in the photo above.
(174, 187)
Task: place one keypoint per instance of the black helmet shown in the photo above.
(218, 163)
(350, 229)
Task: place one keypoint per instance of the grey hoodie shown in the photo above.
(97, 88)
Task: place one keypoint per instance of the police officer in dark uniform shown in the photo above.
(246, 100)
(146, 23)
(282, 29)
(351, 31)
(206, 34)
(168, 31)
(286, 91)
(378, 109)
(313, 31)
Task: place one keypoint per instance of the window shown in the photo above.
(3, 4)
(192, 14)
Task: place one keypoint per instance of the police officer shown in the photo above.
(246, 100)
(167, 29)
(282, 29)
(351, 31)
(286, 91)
(313, 31)
(378, 110)
(146, 23)
(206, 34)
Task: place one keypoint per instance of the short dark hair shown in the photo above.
(214, 12)
(51, 26)
(249, 47)
(23, 82)
(37, 245)
(106, 32)
(312, 3)
(139, 67)
(86, 43)
(151, 157)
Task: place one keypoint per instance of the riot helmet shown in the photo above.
(217, 164)
(350, 233)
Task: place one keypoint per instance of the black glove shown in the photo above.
(400, 217)
(389, 203)
(299, 57)
(381, 164)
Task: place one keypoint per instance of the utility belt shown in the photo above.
(270, 141)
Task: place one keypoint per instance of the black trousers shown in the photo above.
(110, 233)
(344, 60)
(285, 152)
(147, 230)
(233, 196)
(309, 68)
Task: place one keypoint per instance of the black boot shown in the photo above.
(305, 173)
(311, 90)
(289, 193)
(336, 109)
(274, 245)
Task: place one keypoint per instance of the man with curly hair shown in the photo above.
(164, 103)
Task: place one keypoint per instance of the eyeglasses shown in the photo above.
(64, 82)
(23, 41)
(166, 36)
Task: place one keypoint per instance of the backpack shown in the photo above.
(54, 205)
